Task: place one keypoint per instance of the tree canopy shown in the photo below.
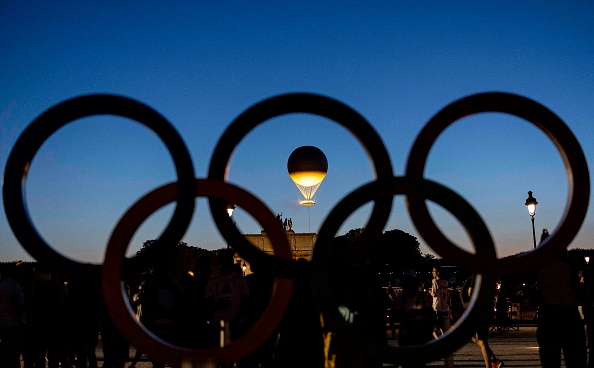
(392, 252)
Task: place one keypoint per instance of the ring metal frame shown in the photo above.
(286, 104)
(474, 315)
(568, 146)
(119, 307)
(417, 190)
(30, 141)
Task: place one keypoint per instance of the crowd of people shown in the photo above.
(47, 320)
(44, 319)
(565, 314)
(426, 315)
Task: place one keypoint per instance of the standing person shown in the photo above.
(12, 320)
(415, 311)
(560, 326)
(136, 302)
(116, 348)
(227, 293)
(84, 314)
(160, 307)
(480, 338)
(261, 286)
(300, 326)
(48, 315)
(440, 293)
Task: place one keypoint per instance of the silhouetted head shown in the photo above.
(544, 235)
(225, 260)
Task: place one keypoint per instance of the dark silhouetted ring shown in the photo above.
(573, 157)
(417, 190)
(117, 302)
(296, 103)
(322, 286)
(50, 121)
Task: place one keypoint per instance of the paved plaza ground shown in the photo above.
(517, 348)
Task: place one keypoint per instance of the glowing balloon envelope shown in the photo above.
(307, 167)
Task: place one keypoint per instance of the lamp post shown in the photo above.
(531, 205)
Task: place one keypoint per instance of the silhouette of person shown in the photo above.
(116, 348)
(12, 319)
(161, 308)
(48, 314)
(137, 302)
(560, 326)
(415, 311)
(440, 293)
(260, 285)
(84, 303)
(227, 293)
(361, 302)
(480, 338)
(544, 235)
(300, 326)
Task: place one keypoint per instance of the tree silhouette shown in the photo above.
(393, 252)
(179, 260)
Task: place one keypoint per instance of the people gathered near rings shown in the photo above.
(46, 319)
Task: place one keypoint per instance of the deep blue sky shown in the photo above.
(201, 65)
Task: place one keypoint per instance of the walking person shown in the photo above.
(440, 293)
(480, 338)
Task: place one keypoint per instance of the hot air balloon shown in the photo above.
(307, 167)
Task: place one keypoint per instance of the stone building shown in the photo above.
(301, 245)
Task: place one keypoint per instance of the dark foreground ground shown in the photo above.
(517, 348)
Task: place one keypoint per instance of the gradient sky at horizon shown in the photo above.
(202, 64)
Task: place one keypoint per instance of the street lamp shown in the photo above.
(230, 208)
(587, 259)
(531, 205)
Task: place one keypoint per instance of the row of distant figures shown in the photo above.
(507, 315)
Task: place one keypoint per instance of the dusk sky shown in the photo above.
(201, 64)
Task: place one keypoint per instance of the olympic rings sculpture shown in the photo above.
(417, 190)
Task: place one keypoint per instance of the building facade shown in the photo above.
(301, 245)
